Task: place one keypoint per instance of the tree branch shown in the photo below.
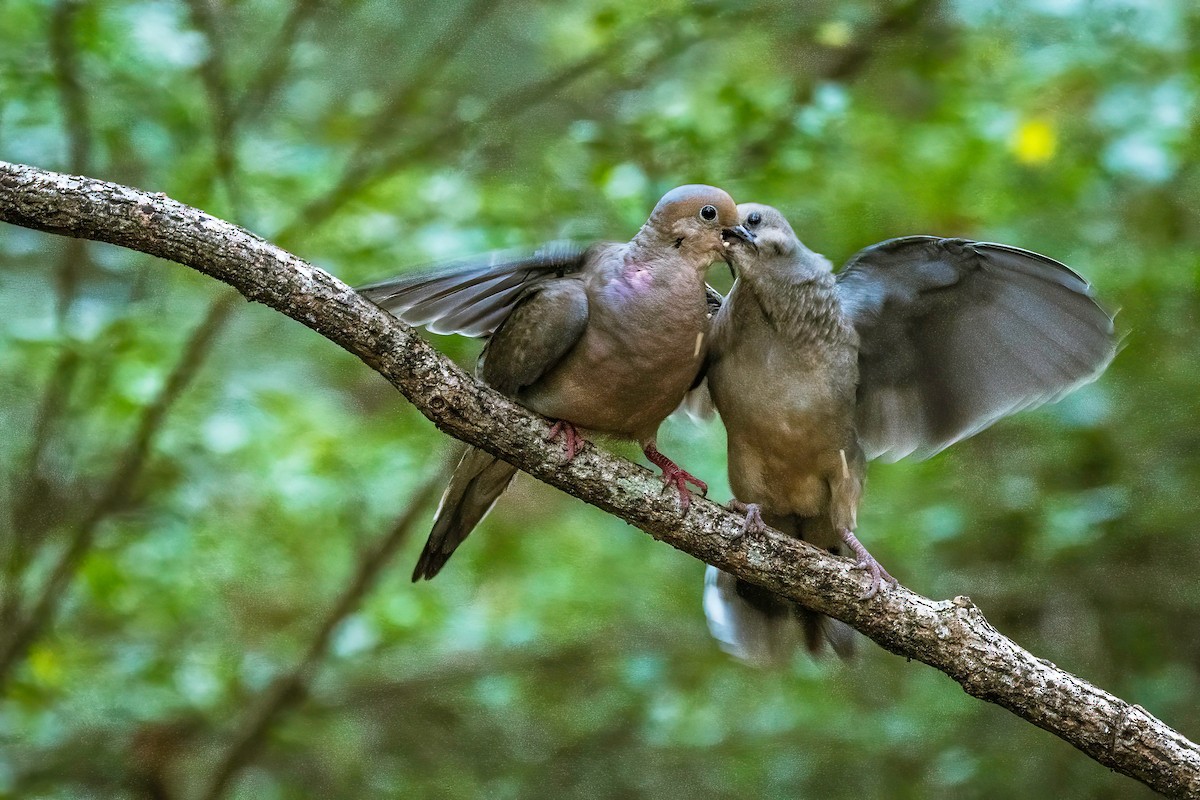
(446, 46)
(951, 636)
(845, 66)
(76, 116)
(18, 632)
(29, 506)
(22, 626)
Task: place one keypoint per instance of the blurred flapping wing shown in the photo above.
(956, 334)
(473, 296)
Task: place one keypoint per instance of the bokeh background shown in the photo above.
(203, 591)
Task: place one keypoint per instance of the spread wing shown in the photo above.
(472, 297)
(956, 334)
(546, 322)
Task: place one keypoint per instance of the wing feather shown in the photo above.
(540, 330)
(956, 334)
(472, 297)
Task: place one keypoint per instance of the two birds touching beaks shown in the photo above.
(916, 343)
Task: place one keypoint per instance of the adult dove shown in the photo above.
(916, 343)
(607, 338)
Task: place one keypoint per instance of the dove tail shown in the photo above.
(749, 623)
(478, 481)
(759, 627)
(820, 630)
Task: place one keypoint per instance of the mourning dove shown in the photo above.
(606, 338)
(917, 343)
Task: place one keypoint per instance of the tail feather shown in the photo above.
(478, 481)
(841, 637)
(762, 628)
(743, 628)
(820, 630)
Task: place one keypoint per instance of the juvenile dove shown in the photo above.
(916, 343)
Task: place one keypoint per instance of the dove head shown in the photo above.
(696, 220)
(772, 233)
(773, 243)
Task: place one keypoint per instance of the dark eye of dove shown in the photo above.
(708, 213)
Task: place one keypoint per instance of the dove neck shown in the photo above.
(798, 265)
(651, 242)
(799, 298)
(649, 239)
(792, 267)
(651, 251)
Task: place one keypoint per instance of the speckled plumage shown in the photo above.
(918, 343)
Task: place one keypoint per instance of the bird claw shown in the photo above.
(867, 563)
(575, 442)
(674, 475)
(753, 522)
(680, 478)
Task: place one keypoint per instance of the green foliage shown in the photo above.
(562, 653)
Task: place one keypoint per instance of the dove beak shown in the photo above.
(738, 233)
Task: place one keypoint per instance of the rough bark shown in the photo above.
(949, 635)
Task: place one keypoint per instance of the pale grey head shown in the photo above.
(771, 241)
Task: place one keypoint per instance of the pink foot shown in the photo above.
(867, 562)
(753, 511)
(564, 430)
(672, 475)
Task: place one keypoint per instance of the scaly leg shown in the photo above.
(674, 476)
(564, 430)
(867, 562)
(753, 511)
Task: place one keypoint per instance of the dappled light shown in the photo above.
(212, 513)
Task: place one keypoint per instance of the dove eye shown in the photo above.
(708, 213)
(754, 218)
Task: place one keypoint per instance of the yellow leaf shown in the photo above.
(1034, 141)
(834, 33)
(44, 664)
